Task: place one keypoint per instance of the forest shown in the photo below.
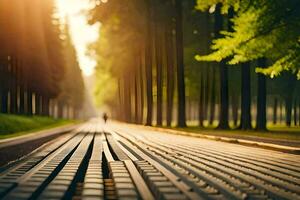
(213, 63)
(39, 71)
(223, 64)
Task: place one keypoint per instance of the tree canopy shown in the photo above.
(261, 29)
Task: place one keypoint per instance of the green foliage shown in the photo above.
(118, 48)
(106, 88)
(195, 41)
(269, 29)
(204, 5)
(289, 62)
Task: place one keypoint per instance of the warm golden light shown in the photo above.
(82, 33)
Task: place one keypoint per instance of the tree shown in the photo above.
(261, 116)
(121, 30)
(71, 96)
(148, 62)
(224, 98)
(31, 56)
(181, 118)
(170, 53)
(246, 98)
(258, 27)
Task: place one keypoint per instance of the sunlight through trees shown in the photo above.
(155, 62)
(36, 60)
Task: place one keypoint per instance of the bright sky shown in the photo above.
(82, 33)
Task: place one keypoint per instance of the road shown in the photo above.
(118, 161)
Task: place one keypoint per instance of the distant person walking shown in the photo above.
(105, 117)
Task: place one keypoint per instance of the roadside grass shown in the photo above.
(17, 125)
(274, 132)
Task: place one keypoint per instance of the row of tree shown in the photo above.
(147, 64)
(39, 72)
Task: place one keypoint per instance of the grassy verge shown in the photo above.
(16, 125)
(283, 133)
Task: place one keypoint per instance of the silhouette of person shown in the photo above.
(105, 117)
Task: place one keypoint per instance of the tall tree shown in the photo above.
(246, 98)
(261, 116)
(170, 53)
(181, 118)
(257, 28)
(224, 97)
(159, 40)
(148, 60)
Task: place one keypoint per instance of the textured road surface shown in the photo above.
(116, 161)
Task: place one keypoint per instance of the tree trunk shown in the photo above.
(21, 83)
(148, 66)
(141, 93)
(149, 96)
(246, 98)
(4, 101)
(131, 98)
(223, 117)
(281, 111)
(76, 113)
(224, 96)
(4, 86)
(288, 110)
(60, 110)
(170, 74)
(120, 104)
(45, 106)
(22, 100)
(29, 110)
(159, 75)
(13, 100)
(13, 87)
(1, 87)
(201, 99)
(213, 97)
(275, 111)
(51, 109)
(127, 99)
(209, 66)
(136, 103)
(37, 104)
(235, 109)
(67, 111)
(181, 118)
(295, 113)
(207, 91)
(123, 96)
(261, 118)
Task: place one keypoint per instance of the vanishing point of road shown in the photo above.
(116, 161)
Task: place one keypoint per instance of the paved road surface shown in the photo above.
(124, 162)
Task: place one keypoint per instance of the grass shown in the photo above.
(275, 132)
(278, 131)
(17, 125)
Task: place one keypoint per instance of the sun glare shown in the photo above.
(82, 33)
